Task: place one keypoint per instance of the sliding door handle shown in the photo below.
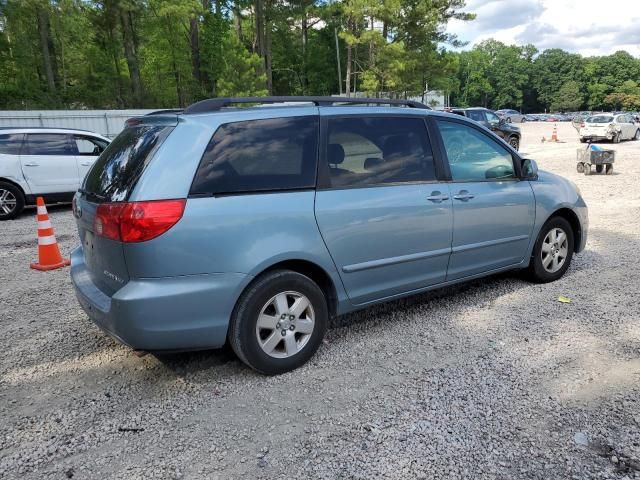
(437, 197)
(463, 195)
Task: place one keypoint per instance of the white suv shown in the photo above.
(47, 162)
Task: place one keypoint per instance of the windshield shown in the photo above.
(600, 119)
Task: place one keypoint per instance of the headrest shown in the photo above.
(373, 163)
(397, 145)
(335, 154)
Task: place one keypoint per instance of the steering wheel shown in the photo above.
(454, 149)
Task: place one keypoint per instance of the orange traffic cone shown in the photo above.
(554, 135)
(49, 257)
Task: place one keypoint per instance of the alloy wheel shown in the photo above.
(8, 201)
(555, 248)
(285, 324)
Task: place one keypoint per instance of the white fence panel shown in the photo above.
(105, 122)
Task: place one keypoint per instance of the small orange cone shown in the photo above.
(49, 257)
(554, 135)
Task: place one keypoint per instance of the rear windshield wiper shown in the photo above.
(97, 196)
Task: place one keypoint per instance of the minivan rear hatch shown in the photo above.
(111, 181)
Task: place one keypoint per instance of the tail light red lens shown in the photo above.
(131, 222)
(582, 125)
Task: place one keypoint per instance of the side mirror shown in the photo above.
(529, 169)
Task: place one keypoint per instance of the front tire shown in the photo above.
(552, 252)
(279, 322)
(11, 201)
(637, 135)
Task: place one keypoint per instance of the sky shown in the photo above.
(588, 27)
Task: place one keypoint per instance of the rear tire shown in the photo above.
(587, 169)
(11, 201)
(609, 170)
(537, 271)
(616, 138)
(580, 167)
(583, 140)
(599, 168)
(637, 135)
(276, 297)
(514, 142)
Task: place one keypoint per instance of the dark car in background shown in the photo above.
(508, 132)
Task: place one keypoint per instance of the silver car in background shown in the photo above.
(511, 116)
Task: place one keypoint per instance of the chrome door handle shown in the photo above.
(437, 197)
(463, 195)
(31, 164)
(86, 164)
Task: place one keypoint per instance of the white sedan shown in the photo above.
(607, 126)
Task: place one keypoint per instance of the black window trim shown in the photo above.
(25, 150)
(265, 191)
(74, 145)
(516, 159)
(323, 177)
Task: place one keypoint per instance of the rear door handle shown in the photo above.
(86, 164)
(31, 164)
(463, 195)
(437, 197)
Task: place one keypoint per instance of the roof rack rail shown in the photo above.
(165, 111)
(215, 104)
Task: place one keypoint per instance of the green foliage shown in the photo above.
(238, 76)
(568, 98)
(168, 53)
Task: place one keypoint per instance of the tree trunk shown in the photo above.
(347, 80)
(259, 21)
(305, 41)
(128, 38)
(195, 49)
(237, 20)
(268, 57)
(45, 43)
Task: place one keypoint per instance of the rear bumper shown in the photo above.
(595, 138)
(161, 314)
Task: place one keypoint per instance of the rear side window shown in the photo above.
(117, 170)
(476, 115)
(48, 144)
(89, 146)
(378, 150)
(10, 144)
(259, 155)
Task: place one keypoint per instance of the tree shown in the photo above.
(568, 98)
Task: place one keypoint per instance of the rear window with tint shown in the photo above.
(47, 144)
(600, 119)
(10, 144)
(259, 155)
(118, 169)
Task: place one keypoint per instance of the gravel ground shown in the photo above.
(496, 379)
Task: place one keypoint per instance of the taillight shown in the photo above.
(582, 125)
(137, 221)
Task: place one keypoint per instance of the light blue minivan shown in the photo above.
(256, 225)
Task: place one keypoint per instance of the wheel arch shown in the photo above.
(576, 227)
(15, 184)
(315, 272)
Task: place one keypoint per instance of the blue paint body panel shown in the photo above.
(178, 291)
